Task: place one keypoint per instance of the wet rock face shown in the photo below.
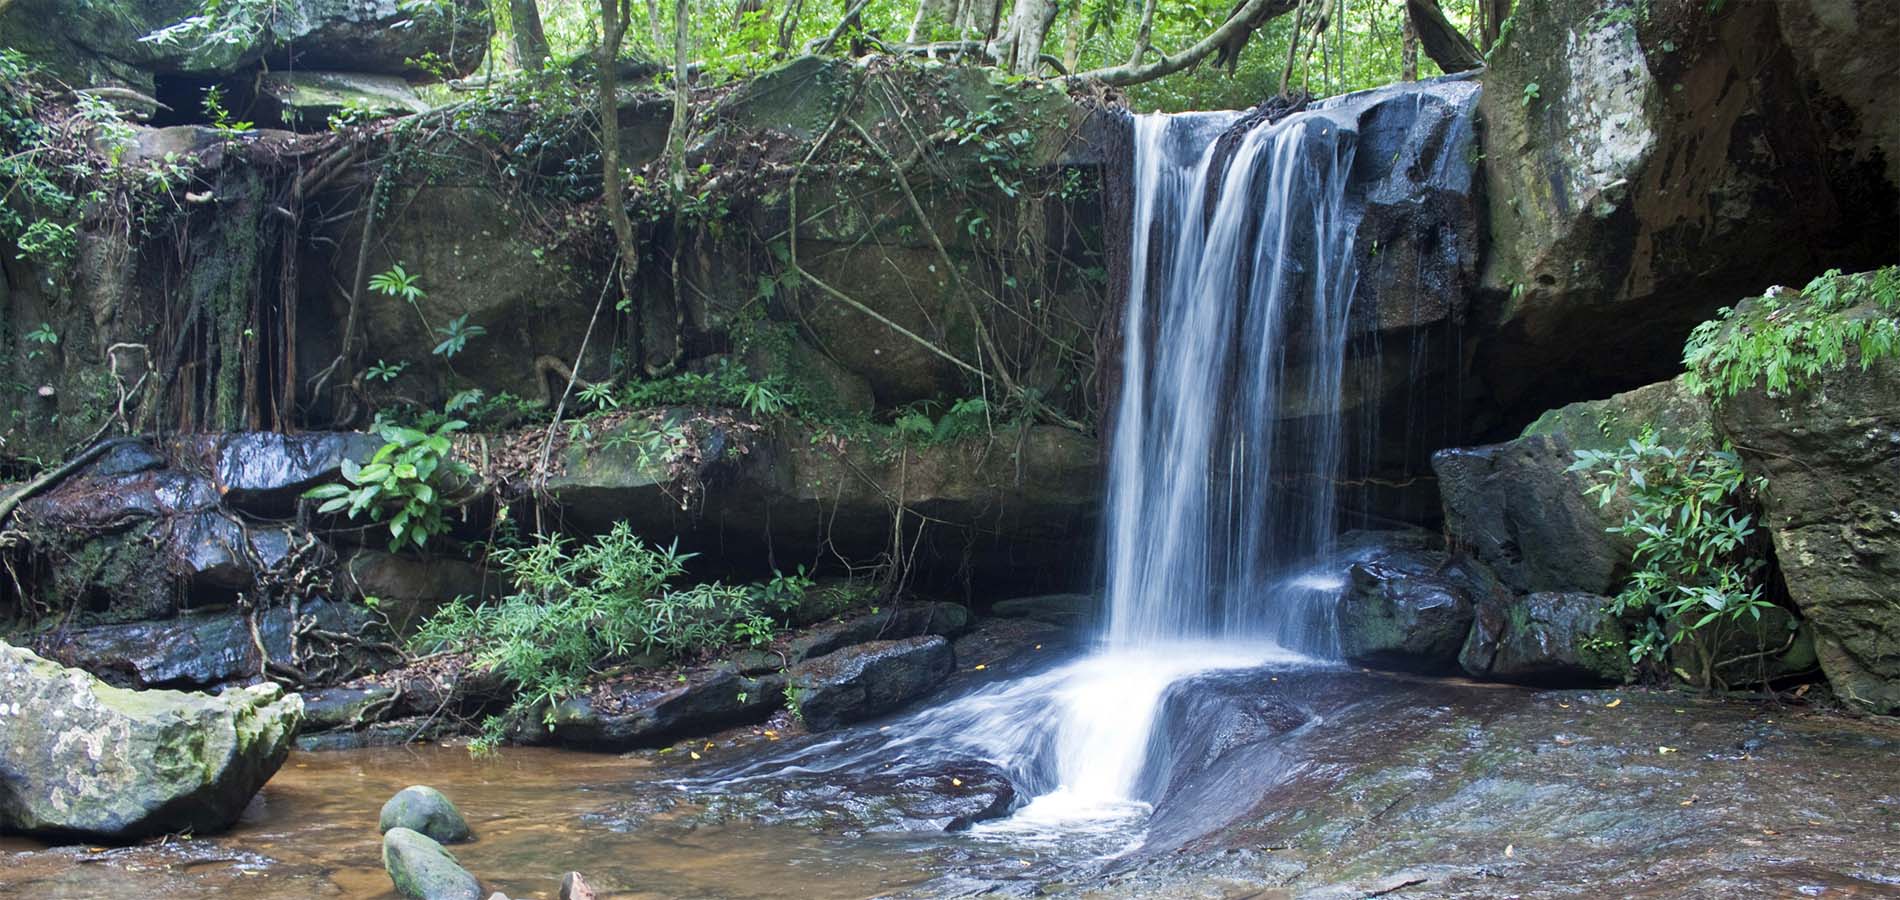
(610, 718)
(868, 680)
(420, 868)
(1831, 454)
(80, 759)
(1522, 512)
(1410, 609)
(1547, 638)
(201, 650)
(1649, 163)
(265, 472)
(899, 621)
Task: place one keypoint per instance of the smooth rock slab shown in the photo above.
(424, 810)
(82, 759)
(421, 868)
(867, 680)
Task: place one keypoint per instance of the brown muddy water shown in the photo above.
(312, 833)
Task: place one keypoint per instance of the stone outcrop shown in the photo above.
(614, 718)
(81, 759)
(868, 680)
(1831, 454)
(1547, 638)
(1410, 609)
(1647, 163)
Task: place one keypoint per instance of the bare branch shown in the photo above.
(1251, 15)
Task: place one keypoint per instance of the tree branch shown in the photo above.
(1248, 17)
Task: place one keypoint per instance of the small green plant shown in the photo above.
(1532, 93)
(396, 282)
(1783, 342)
(222, 120)
(600, 395)
(579, 607)
(1695, 575)
(403, 482)
(42, 338)
(384, 371)
(795, 699)
(455, 336)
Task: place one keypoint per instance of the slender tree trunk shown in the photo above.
(1408, 49)
(1441, 39)
(614, 16)
(1492, 13)
(1144, 33)
(1072, 38)
(531, 42)
(1028, 29)
(676, 163)
(930, 15)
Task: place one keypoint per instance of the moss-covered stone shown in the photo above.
(420, 868)
(425, 810)
(83, 759)
(1547, 638)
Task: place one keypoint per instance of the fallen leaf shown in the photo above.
(1038, 646)
(1613, 703)
(1770, 832)
(956, 782)
(1564, 705)
(695, 754)
(1510, 850)
(1664, 750)
(980, 667)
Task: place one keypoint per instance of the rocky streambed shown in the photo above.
(1283, 781)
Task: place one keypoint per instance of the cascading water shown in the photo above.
(1227, 445)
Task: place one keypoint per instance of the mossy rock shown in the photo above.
(425, 810)
(421, 868)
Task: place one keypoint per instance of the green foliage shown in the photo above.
(455, 336)
(965, 418)
(44, 337)
(396, 281)
(1695, 576)
(221, 118)
(404, 482)
(1783, 342)
(385, 372)
(579, 607)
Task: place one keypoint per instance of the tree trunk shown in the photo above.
(931, 14)
(531, 43)
(1440, 39)
(1021, 47)
(614, 16)
(1492, 14)
(1408, 49)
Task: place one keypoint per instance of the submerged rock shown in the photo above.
(1071, 610)
(902, 620)
(1547, 638)
(425, 810)
(867, 680)
(421, 868)
(950, 796)
(82, 759)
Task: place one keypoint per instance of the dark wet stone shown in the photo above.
(266, 471)
(389, 733)
(1073, 610)
(1006, 648)
(1410, 609)
(1547, 638)
(408, 589)
(424, 809)
(902, 620)
(610, 718)
(422, 869)
(343, 707)
(868, 680)
(1523, 512)
(203, 649)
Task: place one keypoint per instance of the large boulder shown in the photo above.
(82, 759)
(1831, 454)
(1410, 609)
(1523, 512)
(1648, 161)
(1547, 638)
(868, 680)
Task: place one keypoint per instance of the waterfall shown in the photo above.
(1227, 446)
(1213, 489)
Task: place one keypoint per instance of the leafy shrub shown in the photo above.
(577, 607)
(1694, 576)
(403, 481)
(1785, 343)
